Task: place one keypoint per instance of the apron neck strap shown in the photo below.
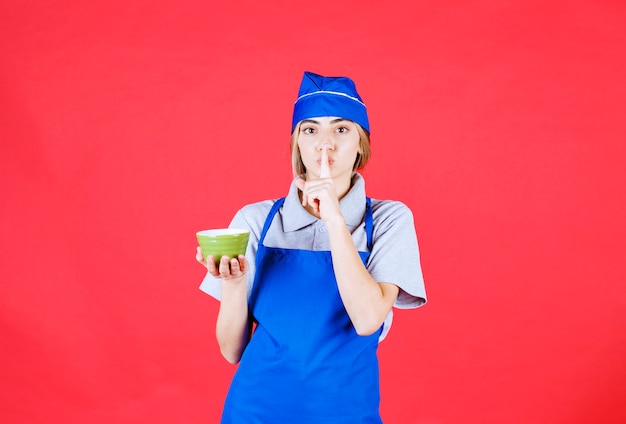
(369, 223)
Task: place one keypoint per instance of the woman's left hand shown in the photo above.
(320, 194)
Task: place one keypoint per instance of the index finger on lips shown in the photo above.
(325, 167)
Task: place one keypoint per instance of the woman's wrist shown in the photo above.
(234, 285)
(335, 223)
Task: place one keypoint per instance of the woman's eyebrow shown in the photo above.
(313, 121)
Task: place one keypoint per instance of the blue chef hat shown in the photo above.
(329, 96)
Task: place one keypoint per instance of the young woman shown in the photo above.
(323, 269)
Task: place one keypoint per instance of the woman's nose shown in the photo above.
(326, 141)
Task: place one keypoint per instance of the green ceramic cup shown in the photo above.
(230, 242)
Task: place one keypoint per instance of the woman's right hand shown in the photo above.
(229, 269)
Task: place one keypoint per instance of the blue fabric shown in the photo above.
(329, 96)
(305, 363)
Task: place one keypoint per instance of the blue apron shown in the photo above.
(305, 363)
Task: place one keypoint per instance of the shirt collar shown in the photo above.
(352, 206)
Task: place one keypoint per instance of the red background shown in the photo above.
(127, 126)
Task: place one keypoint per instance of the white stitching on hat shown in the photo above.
(330, 92)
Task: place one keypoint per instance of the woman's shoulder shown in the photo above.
(252, 216)
(390, 208)
(258, 208)
(255, 212)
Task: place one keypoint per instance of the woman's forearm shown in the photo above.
(232, 328)
(367, 302)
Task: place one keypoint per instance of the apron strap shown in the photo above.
(369, 223)
(270, 217)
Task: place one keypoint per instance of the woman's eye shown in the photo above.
(308, 130)
(342, 130)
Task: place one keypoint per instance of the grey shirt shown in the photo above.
(394, 257)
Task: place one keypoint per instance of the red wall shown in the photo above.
(124, 128)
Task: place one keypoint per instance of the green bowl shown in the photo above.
(230, 242)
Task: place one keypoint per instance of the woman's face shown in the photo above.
(341, 138)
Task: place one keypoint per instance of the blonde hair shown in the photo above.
(362, 157)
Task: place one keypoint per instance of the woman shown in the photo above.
(323, 269)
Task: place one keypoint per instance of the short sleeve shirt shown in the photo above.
(394, 257)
